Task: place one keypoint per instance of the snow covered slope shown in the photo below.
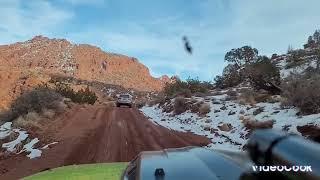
(224, 124)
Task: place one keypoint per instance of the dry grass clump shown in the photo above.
(249, 96)
(109, 104)
(140, 103)
(195, 106)
(36, 101)
(204, 109)
(254, 124)
(186, 88)
(48, 113)
(262, 97)
(302, 92)
(232, 93)
(109, 98)
(246, 98)
(30, 121)
(35, 121)
(159, 99)
(180, 105)
(184, 92)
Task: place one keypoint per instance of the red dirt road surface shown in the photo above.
(97, 134)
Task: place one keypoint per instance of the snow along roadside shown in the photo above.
(235, 138)
(6, 130)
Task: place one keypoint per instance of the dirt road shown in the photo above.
(97, 134)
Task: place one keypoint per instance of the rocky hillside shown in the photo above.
(228, 117)
(26, 64)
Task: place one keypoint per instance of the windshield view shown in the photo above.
(159, 90)
(124, 96)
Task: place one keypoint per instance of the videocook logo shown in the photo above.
(282, 168)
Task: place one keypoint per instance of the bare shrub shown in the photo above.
(232, 93)
(68, 102)
(160, 100)
(194, 107)
(303, 92)
(35, 101)
(151, 103)
(195, 85)
(204, 109)
(140, 104)
(85, 96)
(295, 58)
(254, 124)
(246, 97)
(186, 88)
(109, 98)
(172, 89)
(242, 102)
(61, 107)
(109, 104)
(249, 96)
(32, 116)
(180, 105)
(193, 100)
(168, 108)
(48, 113)
(262, 97)
(82, 96)
(275, 99)
(29, 121)
(184, 92)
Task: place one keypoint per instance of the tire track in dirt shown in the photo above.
(97, 134)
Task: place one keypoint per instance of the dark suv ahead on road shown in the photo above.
(124, 99)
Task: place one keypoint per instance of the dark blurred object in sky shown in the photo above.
(187, 45)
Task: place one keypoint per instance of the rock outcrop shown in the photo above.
(26, 64)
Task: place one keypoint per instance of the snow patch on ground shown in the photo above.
(29, 148)
(11, 146)
(48, 145)
(6, 130)
(229, 112)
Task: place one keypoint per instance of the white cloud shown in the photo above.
(20, 20)
(157, 52)
(272, 25)
(269, 26)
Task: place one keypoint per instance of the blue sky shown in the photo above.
(152, 30)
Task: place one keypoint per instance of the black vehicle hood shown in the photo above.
(193, 163)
